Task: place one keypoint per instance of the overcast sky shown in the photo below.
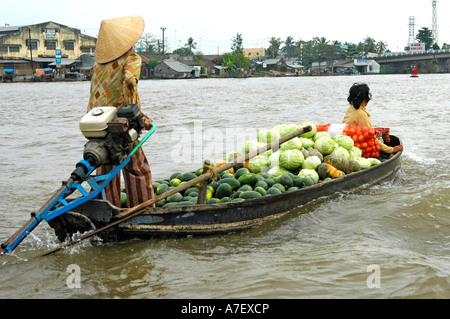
(213, 24)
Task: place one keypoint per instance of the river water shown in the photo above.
(390, 240)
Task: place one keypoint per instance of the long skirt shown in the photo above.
(138, 181)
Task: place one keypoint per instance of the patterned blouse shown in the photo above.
(115, 83)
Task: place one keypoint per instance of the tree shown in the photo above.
(289, 47)
(274, 48)
(425, 35)
(191, 44)
(369, 45)
(237, 43)
(147, 44)
(236, 60)
(185, 51)
(381, 47)
(352, 50)
(153, 62)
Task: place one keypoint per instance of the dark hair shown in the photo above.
(359, 93)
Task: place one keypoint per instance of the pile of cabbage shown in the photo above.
(301, 155)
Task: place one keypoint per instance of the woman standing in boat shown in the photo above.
(359, 97)
(114, 82)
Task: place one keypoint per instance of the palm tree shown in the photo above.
(191, 44)
(289, 46)
(274, 47)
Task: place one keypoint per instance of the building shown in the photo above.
(254, 54)
(274, 65)
(361, 66)
(344, 67)
(204, 66)
(30, 47)
(173, 70)
(367, 66)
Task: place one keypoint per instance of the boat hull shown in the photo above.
(208, 219)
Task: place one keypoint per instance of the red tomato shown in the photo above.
(361, 138)
(369, 149)
(355, 138)
(364, 145)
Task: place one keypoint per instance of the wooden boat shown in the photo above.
(208, 219)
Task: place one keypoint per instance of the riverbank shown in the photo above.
(264, 74)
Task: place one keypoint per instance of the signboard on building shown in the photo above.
(417, 47)
(58, 58)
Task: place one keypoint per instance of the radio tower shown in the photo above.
(434, 24)
(411, 30)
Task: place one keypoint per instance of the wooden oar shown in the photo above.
(210, 174)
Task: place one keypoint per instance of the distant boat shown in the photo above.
(414, 71)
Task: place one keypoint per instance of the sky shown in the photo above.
(214, 24)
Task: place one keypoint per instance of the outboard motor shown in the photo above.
(110, 132)
(111, 135)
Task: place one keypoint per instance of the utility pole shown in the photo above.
(163, 29)
(411, 31)
(434, 22)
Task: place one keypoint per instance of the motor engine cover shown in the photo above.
(94, 123)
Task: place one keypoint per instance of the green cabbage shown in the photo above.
(306, 172)
(363, 162)
(307, 142)
(291, 159)
(231, 156)
(274, 159)
(325, 145)
(288, 129)
(310, 133)
(374, 161)
(355, 152)
(268, 136)
(292, 144)
(341, 152)
(277, 171)
(267, 153)
(321, 134)
(273, 135)
(250, 146)
(261, 136)
(344, 141)
(258, 164)
(311, 162)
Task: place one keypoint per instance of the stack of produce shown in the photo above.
(311, 158)
(363, 137)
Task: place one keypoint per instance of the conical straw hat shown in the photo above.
(117, 36)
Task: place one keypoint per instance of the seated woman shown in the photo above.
(359, 97)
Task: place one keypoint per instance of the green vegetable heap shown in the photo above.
(311, 158)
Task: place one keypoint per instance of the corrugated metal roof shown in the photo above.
(271, 61)
(10, 28)
(64, 61)
(178, 66)
(13, 61)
